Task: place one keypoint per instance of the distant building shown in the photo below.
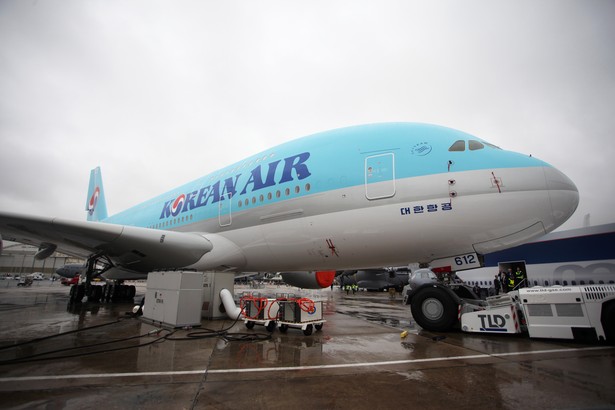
(19, 259)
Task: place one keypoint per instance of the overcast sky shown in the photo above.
(160, 93)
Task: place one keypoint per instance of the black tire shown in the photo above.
(95, 293)
(270, 326)
(434, 309)
(72, 293)
(109, 293)
(113, 293)
(308, 330)
(607, 318)
(79, 293)
(283, 328)
(319, 326)
(249, 324)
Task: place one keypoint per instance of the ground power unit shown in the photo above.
(174, 298)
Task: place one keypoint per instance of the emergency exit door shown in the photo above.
(380, 176)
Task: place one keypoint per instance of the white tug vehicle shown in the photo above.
(585, 312)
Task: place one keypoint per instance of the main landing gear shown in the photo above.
(114, 291)
(109, 292)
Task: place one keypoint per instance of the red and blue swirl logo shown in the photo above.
(178, 204)
(93, 201)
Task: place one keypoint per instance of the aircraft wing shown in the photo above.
(137, 249)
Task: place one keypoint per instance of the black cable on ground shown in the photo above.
(202, 334)
(37, 357)
(223, 333)
(40, 339)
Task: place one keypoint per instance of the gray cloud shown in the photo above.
(160, 93)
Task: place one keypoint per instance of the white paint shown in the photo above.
(291, 368)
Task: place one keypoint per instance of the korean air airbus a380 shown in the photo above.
(358, 197)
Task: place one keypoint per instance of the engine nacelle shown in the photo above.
(309, 280)
(45, 251)
(119, 273)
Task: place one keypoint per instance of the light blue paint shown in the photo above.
(337, 160)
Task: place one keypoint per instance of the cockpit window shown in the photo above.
(459, 145)
(475, 145)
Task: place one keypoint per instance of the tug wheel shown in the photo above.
(250, 324)
(283, 328)
(319, 326)
(308, 330)
(270, 326)
(434, 309)
(608, 322)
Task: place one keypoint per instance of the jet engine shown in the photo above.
(45, 251)
(309, 280)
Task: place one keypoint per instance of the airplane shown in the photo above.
(70, 270)
(375, 279)
(565, 258)
(360, 197)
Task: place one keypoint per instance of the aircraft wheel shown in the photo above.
(79, 293)
(608, 322)
(72, 293)
(113, 292)
(96, 292)
(270, 326)
(283, 328)
(107, 292)
(434, 309)
(319, 326)
(308, 330)
(249, 324)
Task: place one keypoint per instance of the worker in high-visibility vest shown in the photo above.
(511, 282)
(519, 276)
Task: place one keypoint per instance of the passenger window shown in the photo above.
(459, 145)
(475, 145)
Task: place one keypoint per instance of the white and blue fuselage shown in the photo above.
(365, 196)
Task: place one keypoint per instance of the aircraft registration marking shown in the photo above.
(429, 208)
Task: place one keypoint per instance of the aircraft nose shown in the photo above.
(563, 194)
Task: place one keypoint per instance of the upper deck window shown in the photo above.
(459, 145)
(475, 145)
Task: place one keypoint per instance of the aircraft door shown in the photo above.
(380, 176)
(224, 210)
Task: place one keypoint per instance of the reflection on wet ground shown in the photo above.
(357, 361)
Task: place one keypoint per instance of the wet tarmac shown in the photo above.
(357, 361)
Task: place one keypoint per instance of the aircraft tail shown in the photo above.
(95, 204)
